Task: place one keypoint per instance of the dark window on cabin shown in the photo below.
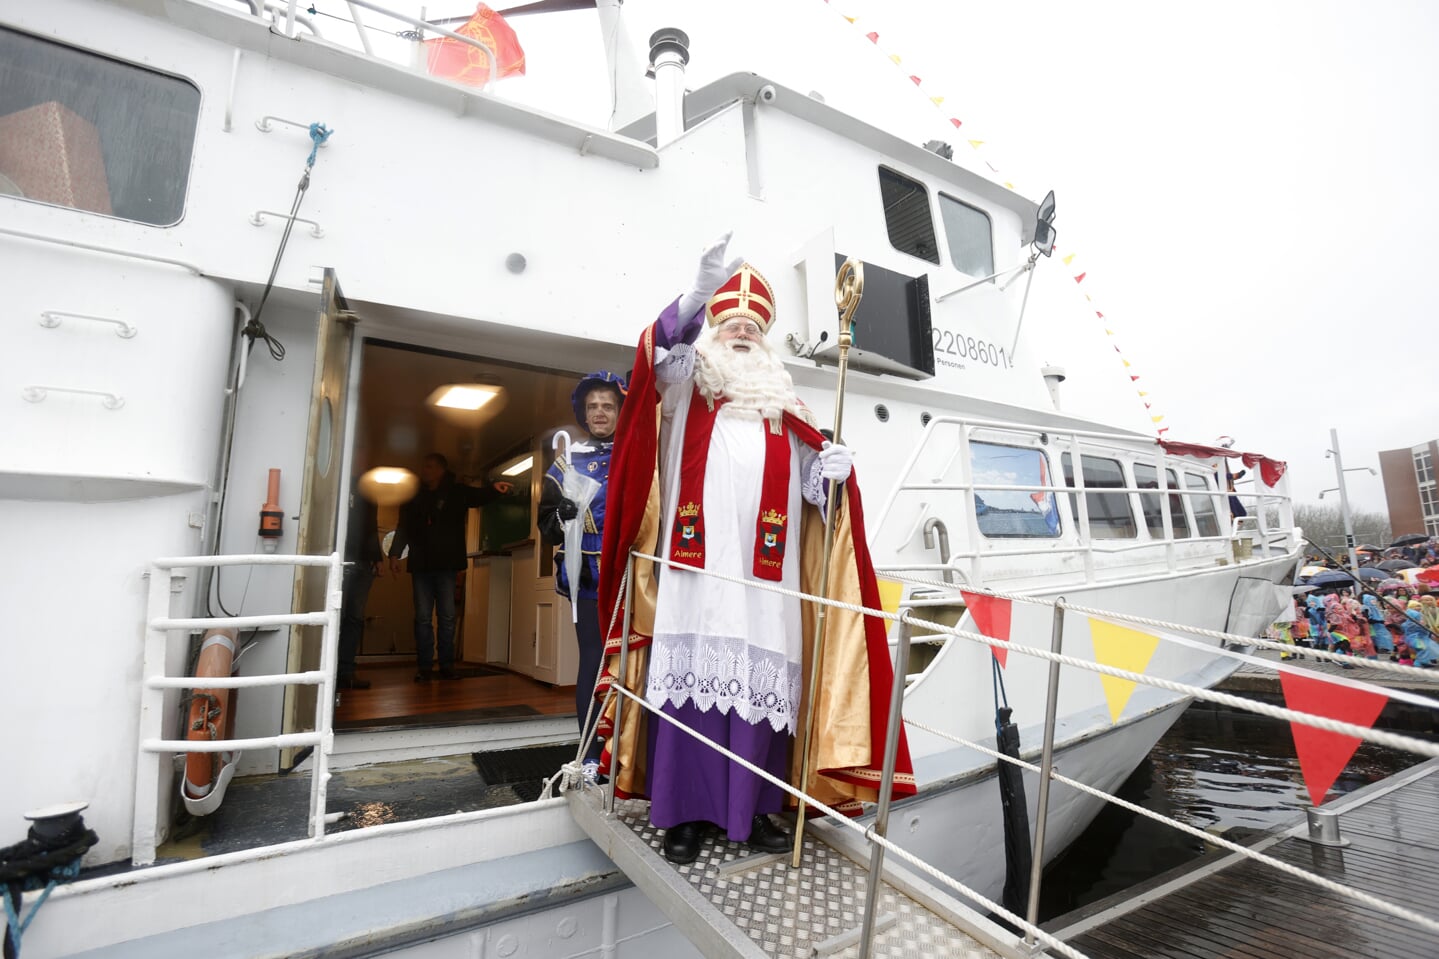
(1146, 477)
(907, 216)
(1206, 520)
(970, 237)
(83, 131)
(1109, 514)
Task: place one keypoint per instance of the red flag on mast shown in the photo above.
(455, 60)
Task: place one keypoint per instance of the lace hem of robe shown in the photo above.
(758, 685)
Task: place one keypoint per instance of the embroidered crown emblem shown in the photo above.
(689, 510)
(773, 516)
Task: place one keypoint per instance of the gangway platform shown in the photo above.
(732, 902)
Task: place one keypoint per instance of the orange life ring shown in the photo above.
(212, 711)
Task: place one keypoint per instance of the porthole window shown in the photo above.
(907, 216)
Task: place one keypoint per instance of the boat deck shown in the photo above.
(732, 903)
(1234, 906)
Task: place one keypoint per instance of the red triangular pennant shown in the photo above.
(1132, 377)
(1080, 277)
(916, 80)
(956, 122)
(1323, 755)
(991, 614)
(1099, 314)
(873, 37)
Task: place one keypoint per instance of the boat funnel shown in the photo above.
(1053, 376)
(669, 53)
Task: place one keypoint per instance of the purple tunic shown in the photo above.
(696, 783)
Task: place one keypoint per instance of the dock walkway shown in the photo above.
(1253, 678)
(731, 903)
(1235, 907)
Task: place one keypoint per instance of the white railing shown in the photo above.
(907, 621)
(162, 628)
(286, 16)
(1131, 449)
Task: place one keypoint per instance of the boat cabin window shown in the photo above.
(1012, 513)
(969, 235)
(1206, 520)
(87, 132)
(907, 216)
(1146, 477)
(1109, 514)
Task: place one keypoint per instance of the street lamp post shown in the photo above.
(1343, 499)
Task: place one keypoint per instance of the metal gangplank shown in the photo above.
(731, 902)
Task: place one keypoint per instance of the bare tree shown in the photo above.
(1323, 524)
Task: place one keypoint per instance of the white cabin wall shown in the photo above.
(89, 497)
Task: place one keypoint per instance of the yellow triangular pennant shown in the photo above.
(1142, 393)
(1121, 648)
(894, 57)
(1157, 418)
(850, 19)
(1069, 259)
(937, 101)
(891, 591)
(1109, 332)
(1124, 361)
(1008, 185)
(976, 143)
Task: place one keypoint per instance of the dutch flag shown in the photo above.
(1045, 501)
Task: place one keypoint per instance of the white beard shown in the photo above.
(754, 381)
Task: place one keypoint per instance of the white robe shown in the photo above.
(717, 643)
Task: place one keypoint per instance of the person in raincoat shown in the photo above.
(1378, 632)
(1417, 638)
(596, 402)
(1319, 631)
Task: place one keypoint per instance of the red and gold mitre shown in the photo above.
(746, 294)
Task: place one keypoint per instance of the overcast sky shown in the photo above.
(1249, 187)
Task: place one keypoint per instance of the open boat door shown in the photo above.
(321, 497)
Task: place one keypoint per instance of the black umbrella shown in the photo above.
(1395, 565)
(1018, 856)
(1410, 539)
(1342, 577)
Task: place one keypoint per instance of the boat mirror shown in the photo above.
(1044, 232)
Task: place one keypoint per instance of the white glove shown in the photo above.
(835, 462)
(711, 275)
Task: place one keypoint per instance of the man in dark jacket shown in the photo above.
(432, 525)
(363, 556)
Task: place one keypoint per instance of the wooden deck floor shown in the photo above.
(394, 698)
(1235, 907)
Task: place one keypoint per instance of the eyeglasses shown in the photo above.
(735, 326)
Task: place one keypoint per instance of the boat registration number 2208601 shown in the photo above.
(948, 343)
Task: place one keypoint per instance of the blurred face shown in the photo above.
(431, 472)
(602, 413)
(740, 335)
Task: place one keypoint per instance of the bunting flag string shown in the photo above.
(991, 615)
(1322, 754)
(1123, 648)
(982, 151)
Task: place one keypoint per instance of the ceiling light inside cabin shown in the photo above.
(519, 466)
(468, 396)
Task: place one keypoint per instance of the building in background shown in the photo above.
(1409, 488)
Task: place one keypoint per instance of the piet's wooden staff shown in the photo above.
(848, 290)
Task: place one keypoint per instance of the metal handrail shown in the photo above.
(906, 621)
(155, 684)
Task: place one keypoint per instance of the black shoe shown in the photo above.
(767, 837)
(351, 682)
(424, 676)
(682, 842)
(449, 673)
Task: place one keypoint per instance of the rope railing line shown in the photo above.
(1320, 881)
(866, 832)
(1343, 660)
(1382, 738)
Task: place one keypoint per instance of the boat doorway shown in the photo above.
(515, 650)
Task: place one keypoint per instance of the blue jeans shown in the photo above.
(434, 592)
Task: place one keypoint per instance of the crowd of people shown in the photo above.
(1390, 618)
